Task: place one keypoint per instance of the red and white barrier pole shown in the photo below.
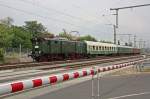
(45, 80)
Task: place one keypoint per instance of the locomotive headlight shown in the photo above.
(36, 46)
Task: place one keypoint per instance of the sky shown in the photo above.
(86, 16)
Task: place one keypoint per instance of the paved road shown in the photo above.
(117, 87)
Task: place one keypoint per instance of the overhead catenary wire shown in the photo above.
(56, 11)
(84, 10)
(44, 17)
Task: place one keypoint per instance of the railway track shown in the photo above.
(60, 64)
(14, 74)
(89, 63)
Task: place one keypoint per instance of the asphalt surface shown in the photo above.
(116, 87)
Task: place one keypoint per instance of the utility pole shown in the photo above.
(117, 18)
(144, 44)
(140, 43)
(114, 29)
(134, 41)
(121, 8)
(129, 39)
(117, 15)
(114, 34)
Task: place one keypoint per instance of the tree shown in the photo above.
(87, 38)
(46, 35)
(5, 36)
(1, 54)
(7, 21)
(5, 39)
(5, 32)
(34, 28)
(20, 36)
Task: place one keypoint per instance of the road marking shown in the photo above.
(130, 95)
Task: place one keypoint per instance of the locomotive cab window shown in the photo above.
(56, 42)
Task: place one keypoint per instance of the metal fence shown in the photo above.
(20, 54)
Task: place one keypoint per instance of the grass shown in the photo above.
(11, 58)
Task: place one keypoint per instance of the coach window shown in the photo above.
(97, 48)
(105, 48)
(93, 47)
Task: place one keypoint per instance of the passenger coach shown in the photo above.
(98, 48)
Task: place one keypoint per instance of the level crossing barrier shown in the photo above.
(17, 86)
